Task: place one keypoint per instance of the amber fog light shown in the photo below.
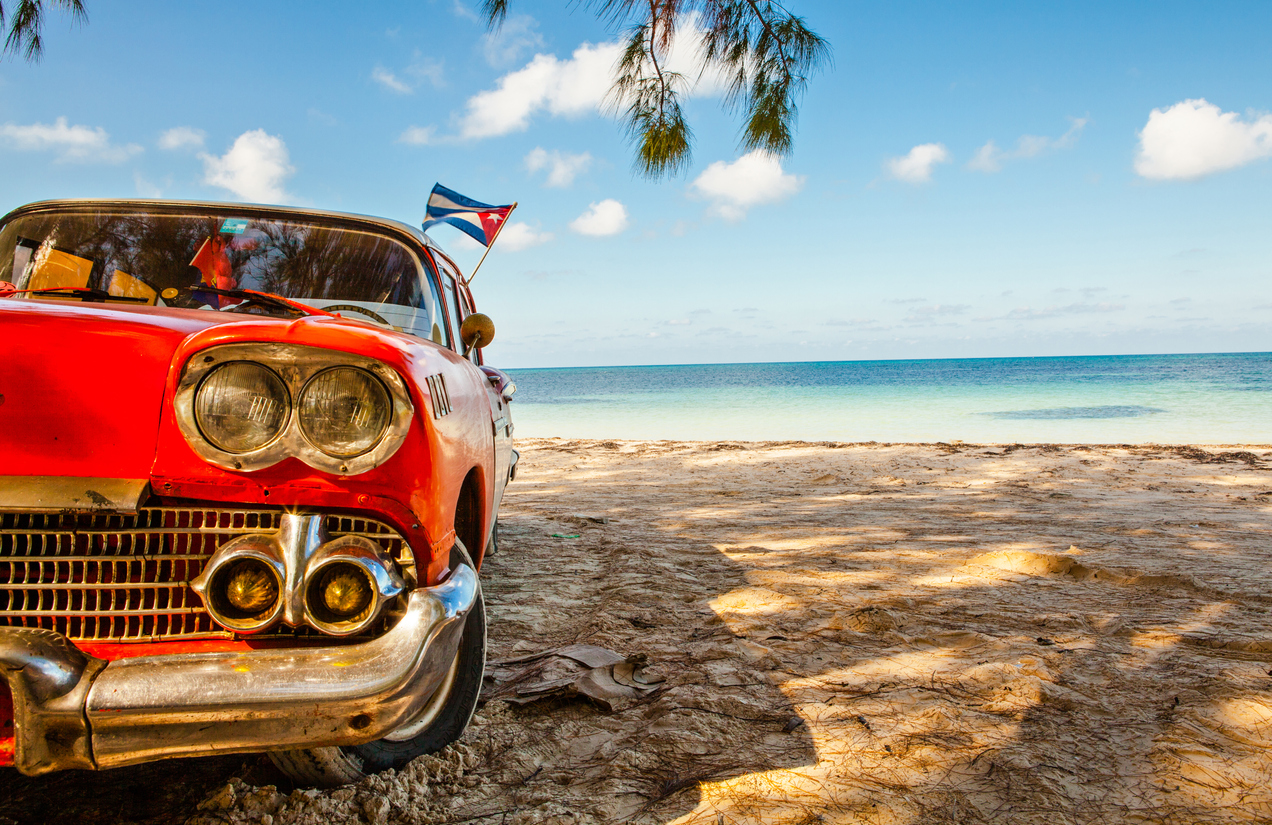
(243, 593)
(341, 593)
(250, 587)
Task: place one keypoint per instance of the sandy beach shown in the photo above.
(834, 633)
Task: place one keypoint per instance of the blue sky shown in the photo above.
(973, 179)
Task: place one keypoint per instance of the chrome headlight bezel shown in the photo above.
(295, 365)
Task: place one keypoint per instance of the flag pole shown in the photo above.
(502, 224)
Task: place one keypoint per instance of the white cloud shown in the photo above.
(752, 179)
(940, 309)
(574, 86)
(514, 237)
(463, 241)
(686, 58)
(917, 165)
(990, 158)
(145, 188)
(562, 87)
(422, 69)
(518, 236)
(427, 69)
(72, 143)
(517, 35)
(1195, 138)
(320, 117)
(562, 168)
(417, 135)
(607, 217)
(462, 11)
(253, 169)
(1081, 308)
(390, 81)
(182, 137)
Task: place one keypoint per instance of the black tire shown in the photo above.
(492, 546)
(334, 766)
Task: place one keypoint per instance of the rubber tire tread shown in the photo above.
(455, 714)
(317, 767)
(492, 546)
(332, 767)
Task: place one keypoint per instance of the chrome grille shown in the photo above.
(127, 577)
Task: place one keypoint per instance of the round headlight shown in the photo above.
(241, 407)
(344, 411)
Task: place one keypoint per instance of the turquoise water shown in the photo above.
(1203, 399)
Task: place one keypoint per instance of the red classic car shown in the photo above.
(250, 462)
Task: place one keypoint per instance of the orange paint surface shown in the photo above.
(6, 726)
(67, 417)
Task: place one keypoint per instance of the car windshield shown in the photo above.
(193, 260)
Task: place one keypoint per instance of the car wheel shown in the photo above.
(439, 723)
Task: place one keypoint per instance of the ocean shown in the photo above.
(1199, 399)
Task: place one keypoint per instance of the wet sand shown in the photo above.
(850, 633)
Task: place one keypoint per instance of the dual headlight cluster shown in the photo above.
(249, 588)
(243, 406)
(339, 587)
(247, 406)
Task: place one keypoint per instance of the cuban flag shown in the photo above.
(481, 221)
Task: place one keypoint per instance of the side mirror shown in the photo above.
(476, 332)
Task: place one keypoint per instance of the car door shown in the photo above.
(498, 386)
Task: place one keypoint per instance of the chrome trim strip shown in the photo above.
(183, 207)
(53, 494)
(295, 364)
(151, 707)
(501, 382)
(299, 538)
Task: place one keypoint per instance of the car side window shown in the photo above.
(432, 304)
(450, 295)
(452, 307)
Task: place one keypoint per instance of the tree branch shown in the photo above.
(24, 32)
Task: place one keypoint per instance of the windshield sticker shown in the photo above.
(234, 226)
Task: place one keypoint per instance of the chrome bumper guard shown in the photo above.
(75, 711)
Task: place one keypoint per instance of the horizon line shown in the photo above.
(894, 360)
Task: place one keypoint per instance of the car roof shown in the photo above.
(176, 206)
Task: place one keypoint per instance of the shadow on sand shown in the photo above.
(852, 633)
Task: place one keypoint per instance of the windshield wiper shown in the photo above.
(268, 299)
(84, 293)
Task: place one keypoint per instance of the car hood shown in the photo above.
(85, 392)
(81, 385)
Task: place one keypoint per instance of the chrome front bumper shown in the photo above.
(74, 711)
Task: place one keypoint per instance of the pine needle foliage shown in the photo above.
(26, 21)
(765, 53)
